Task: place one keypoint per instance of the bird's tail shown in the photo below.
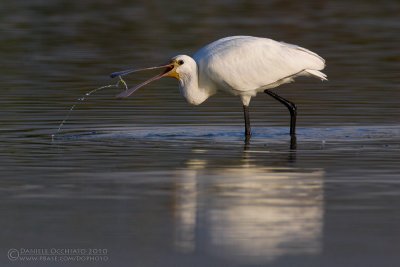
(317, 74)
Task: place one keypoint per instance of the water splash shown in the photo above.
(83, 98)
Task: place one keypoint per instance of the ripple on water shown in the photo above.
(231, 133)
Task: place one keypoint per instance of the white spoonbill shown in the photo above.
(241, 66)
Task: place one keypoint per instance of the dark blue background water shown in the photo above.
(159, 183)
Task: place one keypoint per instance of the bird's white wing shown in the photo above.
(245, 63)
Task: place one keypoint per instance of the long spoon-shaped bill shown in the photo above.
(125, 72)
(127, 93)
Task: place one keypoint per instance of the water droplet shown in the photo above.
(82, 99)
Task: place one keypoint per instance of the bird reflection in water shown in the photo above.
(247, 213)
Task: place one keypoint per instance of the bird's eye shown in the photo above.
(180, 62)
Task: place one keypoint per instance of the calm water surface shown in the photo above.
(159, 183)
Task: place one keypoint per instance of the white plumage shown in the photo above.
(245, 65)
(239, 65)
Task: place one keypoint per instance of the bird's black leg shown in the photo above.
(247, 122)
(291, 107)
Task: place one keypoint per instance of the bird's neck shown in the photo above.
(190, 89)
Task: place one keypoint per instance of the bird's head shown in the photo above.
(176, 68)
(180, 65)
